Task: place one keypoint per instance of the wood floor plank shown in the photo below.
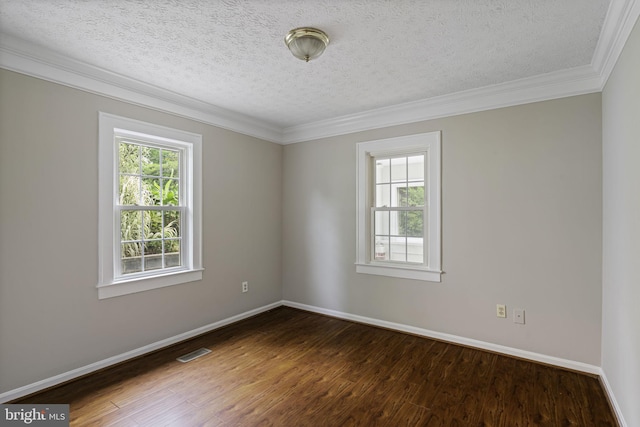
(472, 394)
(597, 404)
(520, 396)
(147, 401)
(436, 376)
(381, 403)
(545, 388)
(168, 416)
(495, 406)
(570, 402)
(411, 415)
(290, 367)
(455, 391)
(83, 412)
(311, 403)
(421, 360)
(142, 415)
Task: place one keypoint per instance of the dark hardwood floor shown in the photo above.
(288, 367)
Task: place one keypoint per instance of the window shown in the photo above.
(398, 215)
(149, 206)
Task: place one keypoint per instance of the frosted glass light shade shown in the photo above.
(306, 43)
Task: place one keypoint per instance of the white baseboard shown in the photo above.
(76, 373)
(612, 398)
(529, 355)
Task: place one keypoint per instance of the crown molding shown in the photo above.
(575, 81)
(618, 24)
(32, 60)
(26, 58)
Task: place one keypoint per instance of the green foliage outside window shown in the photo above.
(411, 223)
(148, 178)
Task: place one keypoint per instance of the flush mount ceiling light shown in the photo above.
(306, 43)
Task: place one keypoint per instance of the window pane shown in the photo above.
(383, 195)
(129, 160)
(398, 249)
(399, 169)
(153, 255)
(415, 250)
(402, 195)
(170, 196)
(130, 225)
(395, 220)
(381, 222)
(150, 161)
(170, 164)
(416, 196)
(171, 224)
(416, 168)
(172, 253)
(413, 224)
(381, 248)
(153, 247)
(130, 258)
(129, 191)
(383, 170)
(152, 225)
(151, 192)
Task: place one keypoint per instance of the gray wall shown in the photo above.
(621, 231)
(51, 320)
(522, 220)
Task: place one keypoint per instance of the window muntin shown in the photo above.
(150, 206)
(398, 207)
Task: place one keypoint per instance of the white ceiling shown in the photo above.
(229, 57)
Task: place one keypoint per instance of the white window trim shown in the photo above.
(108, 285)
(431, 143)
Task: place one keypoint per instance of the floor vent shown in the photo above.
(193, 355)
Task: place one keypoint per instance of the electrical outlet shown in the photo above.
(501, 310)
(245, 286)
(518, 316)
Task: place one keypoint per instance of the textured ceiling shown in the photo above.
(231, 54)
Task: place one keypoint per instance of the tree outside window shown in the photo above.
(411, 224)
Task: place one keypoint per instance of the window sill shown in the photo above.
(401, 272)
(116, 289)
